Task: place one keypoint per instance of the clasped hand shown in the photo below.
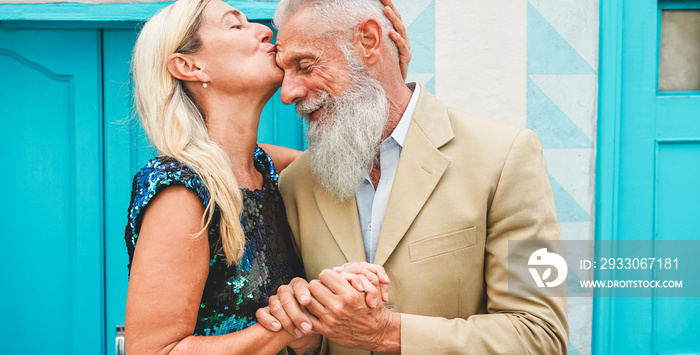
(345, 305)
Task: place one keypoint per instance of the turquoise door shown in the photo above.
(648, 184)
(52, 295)
(70, 145)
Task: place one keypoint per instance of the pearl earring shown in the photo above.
(204, 85)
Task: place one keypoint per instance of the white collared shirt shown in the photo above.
(371, 203)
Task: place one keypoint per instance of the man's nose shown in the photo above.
(293, 89)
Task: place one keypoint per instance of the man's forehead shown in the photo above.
(298, 30)
(296, 44)
(298, 41)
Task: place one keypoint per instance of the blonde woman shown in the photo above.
(207, 235)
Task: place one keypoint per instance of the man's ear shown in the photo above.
(184, 68)
(368, 40)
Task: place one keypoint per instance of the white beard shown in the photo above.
(344, 140)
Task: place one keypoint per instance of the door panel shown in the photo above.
(654, 142)
(49, 110)
(678, 190)
(675, 323)
(677, 116)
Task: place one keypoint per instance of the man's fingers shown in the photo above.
(316, 306)
(371, 272)
(362, 284)
(354, 280)
(317, 311)
(378, 270)
(375, 274)
(322, 297)
(385, 292)
(334, 281)
(372, 292)
(266, 319)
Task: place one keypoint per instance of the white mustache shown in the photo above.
(305, 107)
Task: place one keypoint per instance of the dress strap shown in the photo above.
(263, 159)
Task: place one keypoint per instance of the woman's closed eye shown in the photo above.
(239, 24)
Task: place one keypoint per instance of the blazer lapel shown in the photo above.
(343, 222)
(420, 168)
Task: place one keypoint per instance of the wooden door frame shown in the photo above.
(113, 14)
(607, 152)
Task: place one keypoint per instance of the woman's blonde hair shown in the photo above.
(174, 123)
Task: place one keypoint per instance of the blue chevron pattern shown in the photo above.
(419, 19)
(561, 86)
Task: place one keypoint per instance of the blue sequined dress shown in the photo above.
(231, 294)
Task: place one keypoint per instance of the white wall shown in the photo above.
(481, 57)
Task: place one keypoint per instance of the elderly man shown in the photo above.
(395, 178)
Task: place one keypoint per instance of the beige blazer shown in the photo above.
(464, 186)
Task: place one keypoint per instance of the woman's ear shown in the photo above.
(182, 67)
(368, 39)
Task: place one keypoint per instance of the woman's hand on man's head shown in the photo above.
(399, 36)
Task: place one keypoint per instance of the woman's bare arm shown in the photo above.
(168, 273)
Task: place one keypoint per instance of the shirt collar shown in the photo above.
(401, 131)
